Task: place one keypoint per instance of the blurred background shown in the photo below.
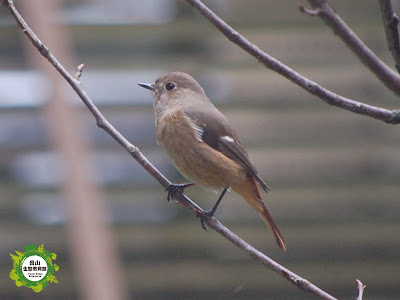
(334, 175)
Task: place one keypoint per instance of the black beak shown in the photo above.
(147, 86)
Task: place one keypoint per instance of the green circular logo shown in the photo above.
(34, 268)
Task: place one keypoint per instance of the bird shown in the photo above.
(203, 145)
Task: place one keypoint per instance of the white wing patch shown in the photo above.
(228, 139)
(198, 131)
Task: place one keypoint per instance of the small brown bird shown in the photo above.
(202, 144)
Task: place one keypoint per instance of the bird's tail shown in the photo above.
(266, 216)
(249, 191)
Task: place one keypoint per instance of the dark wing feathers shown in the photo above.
(235, 151)
(215, 127)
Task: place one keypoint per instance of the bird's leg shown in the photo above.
(212, 211)
(172, 189)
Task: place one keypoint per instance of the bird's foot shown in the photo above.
(172, 189)
(208, 213)
(211, 212)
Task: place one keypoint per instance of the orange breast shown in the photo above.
(196, 160)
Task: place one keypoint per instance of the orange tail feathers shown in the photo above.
(265, 215)
(249, 191)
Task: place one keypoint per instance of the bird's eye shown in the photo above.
(169, 86)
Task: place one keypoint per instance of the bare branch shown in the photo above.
(386, 75)
(390, 22)
(385, 115)
(361, 288)
(213, 223)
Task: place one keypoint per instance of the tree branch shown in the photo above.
(390, 22)
(385, 115)
(134, 151)
(386, 75)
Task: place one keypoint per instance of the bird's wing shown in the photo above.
(213, 128)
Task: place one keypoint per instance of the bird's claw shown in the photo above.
(172, 189)
(202, 224)
(208, 213)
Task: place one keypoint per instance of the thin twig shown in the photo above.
(385, 115)
(386, 75)
(137, 154)
(310, 12)
(390, 22)
(361, 288)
